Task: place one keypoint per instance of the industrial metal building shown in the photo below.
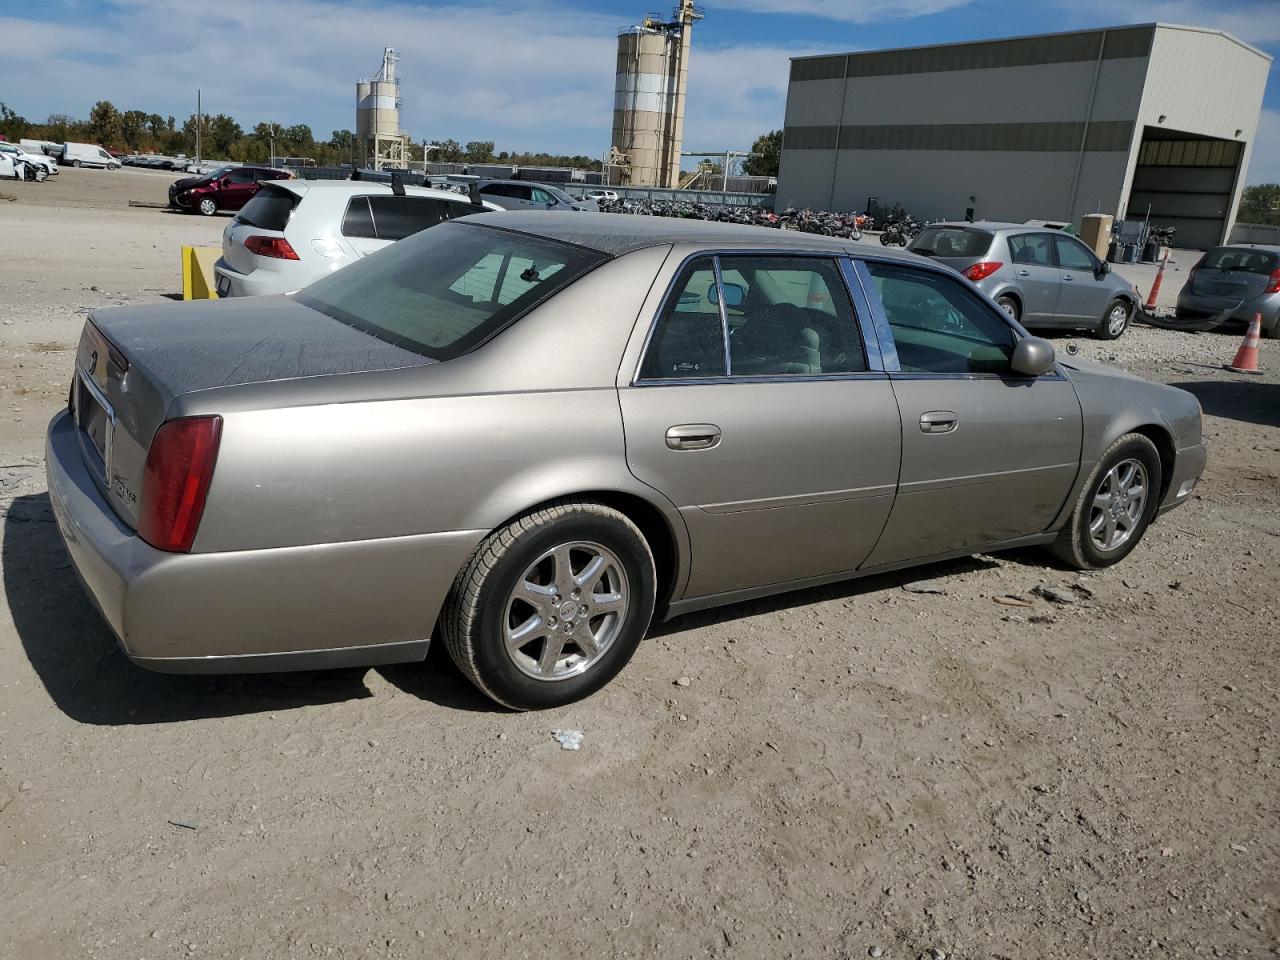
(1125, 121)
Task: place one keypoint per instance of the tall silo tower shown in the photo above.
(378, 117)
(648, 105)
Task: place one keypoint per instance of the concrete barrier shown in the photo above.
(198, 279)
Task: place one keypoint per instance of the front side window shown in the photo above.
(541, 196)
(784, 316)
(444, 291)
(939, 326)
(1032, 249)
(1073, 256)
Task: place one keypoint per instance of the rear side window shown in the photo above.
(240, 176)
(1032, 249)
(269, 209)
(395, 218)
(938, 325)
(952, 242)
(1241, 259)
(452, 210)
(358, 221)
(443, 292)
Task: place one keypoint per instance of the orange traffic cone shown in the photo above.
(1246, 360)
(1155, 287)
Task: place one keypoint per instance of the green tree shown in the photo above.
(155, 125)
(223, 132)
(766, 152)
(105, 124)
(1260, 204)
(478, 151)
(11, 125)
(133, 127)
(450, 151)
(299, 138)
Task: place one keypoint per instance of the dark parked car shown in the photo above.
(1040, 277)
(227, 188)
(1239, 281)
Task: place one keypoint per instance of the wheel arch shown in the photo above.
(1163, 441)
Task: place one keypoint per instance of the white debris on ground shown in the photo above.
(568, 739)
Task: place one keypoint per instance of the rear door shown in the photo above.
(1035, 269)
(987, 455)
(1083, 297)
(768, 423)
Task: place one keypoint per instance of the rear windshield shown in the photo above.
(269, 209)
(1241, 259)
(952, 242)
(444, 291)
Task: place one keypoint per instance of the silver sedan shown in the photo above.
(532, 435)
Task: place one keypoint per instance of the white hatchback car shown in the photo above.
(14, 153)
(295, 231)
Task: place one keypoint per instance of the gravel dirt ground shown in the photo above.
(852, 771)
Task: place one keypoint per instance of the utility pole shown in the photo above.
(199, 124)
(271, 127)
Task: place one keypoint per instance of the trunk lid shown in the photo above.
(1234, 273)
(267, 214)
(133, 361)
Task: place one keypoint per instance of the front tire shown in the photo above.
(1114, 507)
(551, 607)
(1115, 321)
(208, 206)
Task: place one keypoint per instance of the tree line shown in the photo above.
(222, 138)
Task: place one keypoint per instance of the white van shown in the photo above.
(87, 155)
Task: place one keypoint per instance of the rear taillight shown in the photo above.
(1274, 286)
(277, 247)
(176, 481)
(1191, 276)
(982, 270)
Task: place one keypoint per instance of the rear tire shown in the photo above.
(1077, 543)
(531, 579)
(75, 163)
(1272, 332)
(1010, 306)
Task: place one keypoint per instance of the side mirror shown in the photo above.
(1032, 357)
(1102, 269)
(734, 294)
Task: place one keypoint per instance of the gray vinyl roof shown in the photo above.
(618, 233)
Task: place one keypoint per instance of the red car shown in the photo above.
(227, 188)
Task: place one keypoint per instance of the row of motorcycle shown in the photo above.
(895, 231)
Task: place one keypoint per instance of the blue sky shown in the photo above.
(527, 75)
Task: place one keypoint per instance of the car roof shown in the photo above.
(990, 225)
(1265, 247)
(352, 188)
(616, 234)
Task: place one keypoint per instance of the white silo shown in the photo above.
(378, 116)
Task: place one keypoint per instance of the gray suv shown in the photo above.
(1042, 278)
(1240, 281)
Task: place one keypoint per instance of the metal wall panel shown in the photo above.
(1035, 137)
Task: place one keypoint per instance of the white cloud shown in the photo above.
(1264, 164)
(1253, 21)
(532, 78)
(848, 11)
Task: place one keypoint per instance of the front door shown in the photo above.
(987, 455)
(1084, 297)
(762, 423)
(236, 189)
(1038, 277)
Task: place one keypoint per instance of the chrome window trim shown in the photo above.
(878, 320)
(715, 254)
(764, 378)
(724, 316)
(110, 412)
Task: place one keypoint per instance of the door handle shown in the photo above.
(1068, 277)
(938, 421)
(1024, 273)
(693, 436)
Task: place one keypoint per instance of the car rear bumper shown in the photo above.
(1198, 305)
(1188, 465)
(292, 608)
(259, 283)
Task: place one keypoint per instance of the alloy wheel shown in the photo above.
(565, 611)
(1117, 319)
(1118, 505)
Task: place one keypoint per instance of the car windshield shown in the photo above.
(952, 242)
(445, 291)
(1243, 259)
